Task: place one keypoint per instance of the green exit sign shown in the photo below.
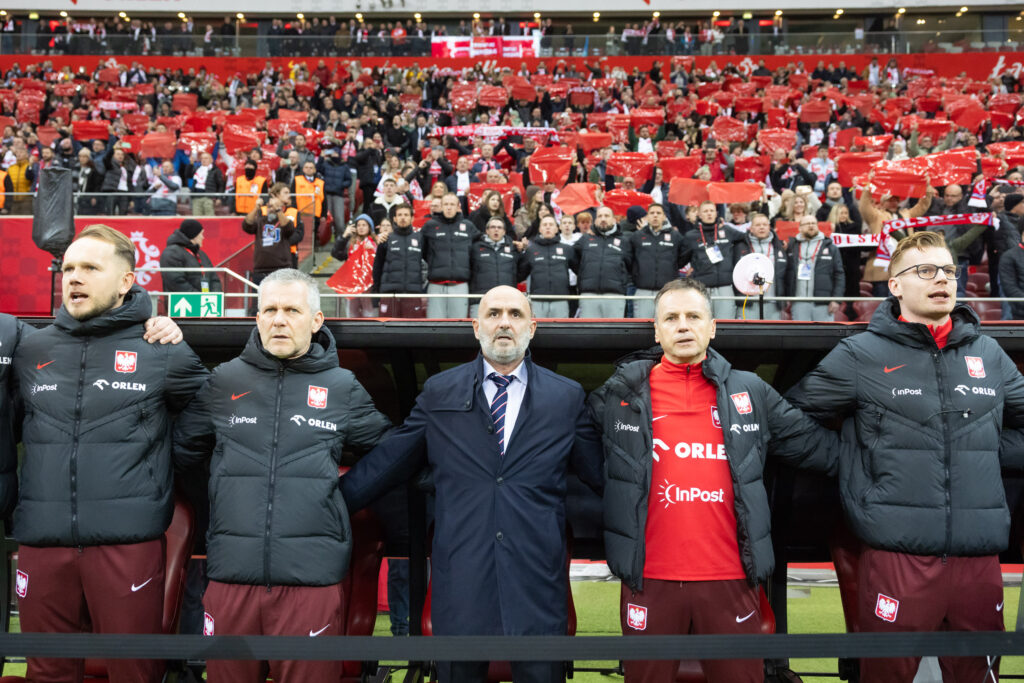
(197, 305)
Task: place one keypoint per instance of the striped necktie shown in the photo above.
(498, 405)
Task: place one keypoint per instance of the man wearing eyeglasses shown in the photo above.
(923, 396)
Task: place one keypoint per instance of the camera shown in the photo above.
(272, 218)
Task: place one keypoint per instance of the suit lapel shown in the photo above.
(523, 418)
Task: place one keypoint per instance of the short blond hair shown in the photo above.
(123, 247)
(922, 240)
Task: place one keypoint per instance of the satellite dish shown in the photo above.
(753, 274)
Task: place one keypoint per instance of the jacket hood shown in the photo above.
(322, 354)
(137, 308)
(546, 241)
(885, 322)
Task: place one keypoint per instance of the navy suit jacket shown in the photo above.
(499, 550)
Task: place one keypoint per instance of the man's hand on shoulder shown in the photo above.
(163, 330)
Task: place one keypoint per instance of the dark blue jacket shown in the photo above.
(337, 177)
(499, 549)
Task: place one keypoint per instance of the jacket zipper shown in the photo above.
(947, 462)
(272, 478)
(73, 465)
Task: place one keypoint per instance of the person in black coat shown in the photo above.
(493, 261)
(499, 547)
(368, 162)
(184, 250)
(88, 180)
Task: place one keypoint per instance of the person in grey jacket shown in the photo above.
(814, 268)
(275, 421)
(686, 516)
(96, 493)
(931, 410)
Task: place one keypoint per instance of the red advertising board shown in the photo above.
(25, 286)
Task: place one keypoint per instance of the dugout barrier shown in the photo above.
(392, 358)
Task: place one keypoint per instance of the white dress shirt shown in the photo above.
(516, 392)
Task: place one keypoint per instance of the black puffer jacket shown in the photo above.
(1011, 278)
(770, 425)
(98, 405)
(605, 262)
(397, 267)
(695, 252)
(11, 332)
(493, 265)
(448, 243)
(657, 258)
(547, 262)
(276, 430)
(924, 476)
(181, 253)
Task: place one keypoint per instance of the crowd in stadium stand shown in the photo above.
(594, 148)
(326, 36)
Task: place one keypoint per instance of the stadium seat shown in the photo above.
(502, 671)
(179, 547)
(980, 280)
(865, 309)
(360, 588)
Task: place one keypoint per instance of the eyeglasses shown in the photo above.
(928, 271)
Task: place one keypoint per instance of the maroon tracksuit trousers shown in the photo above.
(901, 592)
(113, 588)
(694, 607)
(242, 610)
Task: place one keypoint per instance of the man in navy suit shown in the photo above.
(499, 434)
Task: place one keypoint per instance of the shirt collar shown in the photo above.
(519, 373)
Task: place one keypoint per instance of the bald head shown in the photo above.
(504, 327)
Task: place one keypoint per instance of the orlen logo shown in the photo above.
(906, 392)
(241, 420)
(620, 426)
(125, 361)
(979, 391)
(313, 422)
(670, 494)
(317, 397)
(696, 451)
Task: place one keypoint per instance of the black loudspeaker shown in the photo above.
(53, 220)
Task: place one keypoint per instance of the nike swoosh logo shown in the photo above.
(887, 369)
(139, 587)
(314, 634)
(40, 366)
(235, 397)
(999, 607)
(621, 403)
(740, 621)
(655, 419)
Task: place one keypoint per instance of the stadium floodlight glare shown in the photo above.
(300, 15)
(597, 16)
(536, 15)
(417, 16)
(716, 14)
(964, 8)
(920, 21)
(240, 16)
(181, 15)
(839, 12)
(778, 13)
(122, 15)
(901, 10)
(63, 14)
(476, 16)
